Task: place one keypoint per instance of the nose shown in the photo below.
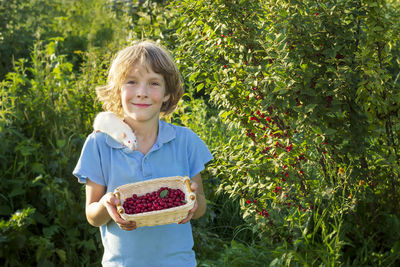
(141, 91)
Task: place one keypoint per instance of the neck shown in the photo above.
(146, 133)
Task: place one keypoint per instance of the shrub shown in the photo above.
(44, 110)
(313, 86)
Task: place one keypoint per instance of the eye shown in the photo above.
(155, 83)
(131, 82)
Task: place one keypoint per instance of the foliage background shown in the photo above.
(298, 101)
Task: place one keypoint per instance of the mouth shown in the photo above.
(141, 105)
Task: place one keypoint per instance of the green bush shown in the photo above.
(47, 107)
(22, 22)
(83, 25)
(313, 88)
(44, 113)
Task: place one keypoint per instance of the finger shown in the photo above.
(188, 218)
(193, 186)
(124, 223)
(121, 221)
(130, 228)
(190, 214)
(112, 210)
(113, 200)
(194, 207)
(127, 226)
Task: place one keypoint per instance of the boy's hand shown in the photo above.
(193, 186)
(110, 202)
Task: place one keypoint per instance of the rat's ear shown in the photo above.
(123, 135)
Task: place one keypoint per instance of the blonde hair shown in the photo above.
(149, 53)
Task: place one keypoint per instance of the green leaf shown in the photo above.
(38, 168)
(330, 131)
(16, 192)
(163, 193)
(50, 231)
(61, 143)
(310, 107)
(61, 254)
(199, 87)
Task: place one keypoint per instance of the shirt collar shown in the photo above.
(166, 133)
(113, 143)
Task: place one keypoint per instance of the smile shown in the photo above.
(142, 105)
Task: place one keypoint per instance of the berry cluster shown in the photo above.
(163, 198)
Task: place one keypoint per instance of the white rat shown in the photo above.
(109, 123)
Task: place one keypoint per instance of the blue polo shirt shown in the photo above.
(178, 151)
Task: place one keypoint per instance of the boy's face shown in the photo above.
(143, 93)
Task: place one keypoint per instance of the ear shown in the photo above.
(166, 98)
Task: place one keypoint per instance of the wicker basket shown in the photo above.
(159, 217)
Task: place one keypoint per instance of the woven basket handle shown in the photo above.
(192, 195)
(120, 209)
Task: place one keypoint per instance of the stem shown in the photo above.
(322, 163)
(390, 138)
(358, 34)
(302, 185)
(363, 161)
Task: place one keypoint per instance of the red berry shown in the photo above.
(154, 201)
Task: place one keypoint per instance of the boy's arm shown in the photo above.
(96, 213)
(200, 205)
(200, 197)
(101, 207)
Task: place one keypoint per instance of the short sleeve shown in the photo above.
(198, 154)
(89, 163)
